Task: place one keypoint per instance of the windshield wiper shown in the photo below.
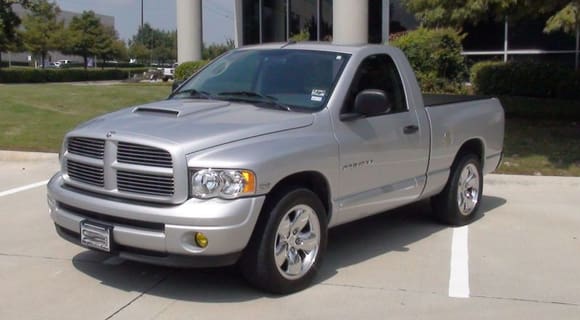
(251, 94)
(193, 93)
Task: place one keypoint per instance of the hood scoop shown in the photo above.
(181, 110)
(159, 111)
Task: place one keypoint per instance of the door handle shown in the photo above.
(410, 129)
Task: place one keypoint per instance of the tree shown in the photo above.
(139, 51)
(567, 19)
(9, 23)
(85, 32)
(42, 30)
(161, 45)
(109, 46)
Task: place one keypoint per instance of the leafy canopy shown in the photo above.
(455, 13)
(9, 23)
(42, 29)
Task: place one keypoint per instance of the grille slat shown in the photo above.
(87, 147)
(85, 173)
(149, 184)
(143, 155)
(155, 183)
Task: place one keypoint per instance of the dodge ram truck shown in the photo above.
(253, 158)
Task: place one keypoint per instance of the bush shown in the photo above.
(187, 69)
(528, 79)
(64, 75)
(435, 55)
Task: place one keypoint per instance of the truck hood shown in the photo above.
(192, 125)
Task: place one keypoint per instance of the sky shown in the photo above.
(218, 15)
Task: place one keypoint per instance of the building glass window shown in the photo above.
(251, 21)
(273, 20)
(375, 21)
(325, 20)
(303, 21)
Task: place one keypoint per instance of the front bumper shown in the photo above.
(155, 233)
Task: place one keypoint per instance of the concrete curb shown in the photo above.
(26, 156)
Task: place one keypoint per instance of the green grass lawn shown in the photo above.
(541, 147)
(36, 117)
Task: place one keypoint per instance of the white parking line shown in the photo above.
(24, 188)
(459, 275)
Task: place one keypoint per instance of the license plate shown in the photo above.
(95, 235)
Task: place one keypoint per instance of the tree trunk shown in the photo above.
(0, 59)
(42, 59)
(85, 59)
(577, 42)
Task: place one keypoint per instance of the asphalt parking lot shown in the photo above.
(520, 259)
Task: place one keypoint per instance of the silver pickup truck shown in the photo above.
(255, 157)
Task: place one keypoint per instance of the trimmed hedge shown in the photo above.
(4, 64)
(187, 69)
(527, 79)
(65, 75)
(435, 55)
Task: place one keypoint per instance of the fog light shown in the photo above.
(201, 239)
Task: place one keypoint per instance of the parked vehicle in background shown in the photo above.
(169, 73)
(257, 155)
(62, 63)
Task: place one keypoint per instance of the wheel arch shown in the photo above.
(311, 180)
(472, 146)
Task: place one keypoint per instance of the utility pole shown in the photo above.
(506, 39)
(141, 14)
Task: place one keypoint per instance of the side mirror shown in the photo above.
(371, 102)
(368, 103)
(176, 84)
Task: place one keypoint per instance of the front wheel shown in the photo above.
(457, 204)
(287, 246)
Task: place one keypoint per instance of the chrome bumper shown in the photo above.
(157, 233)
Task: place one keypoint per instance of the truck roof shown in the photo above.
(313, 45)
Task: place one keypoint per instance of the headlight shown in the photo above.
(222, 183)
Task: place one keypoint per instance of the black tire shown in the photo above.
(258, 264)
(447, 205)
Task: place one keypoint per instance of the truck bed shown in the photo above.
(435, 100)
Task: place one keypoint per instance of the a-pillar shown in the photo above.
(189, 30)
(350, 22)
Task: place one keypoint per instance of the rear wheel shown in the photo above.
(459, 201)
(286, 248)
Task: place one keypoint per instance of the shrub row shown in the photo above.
(186, 69)
(65, 75)
(4, 64)
(527, 79)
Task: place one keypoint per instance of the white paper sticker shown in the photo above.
(317, 95)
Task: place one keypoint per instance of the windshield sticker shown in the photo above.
(317, 95)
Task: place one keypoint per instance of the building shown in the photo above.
(363, 21)
(261, 21)
(67, 16)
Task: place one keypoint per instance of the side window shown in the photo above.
(378, 72)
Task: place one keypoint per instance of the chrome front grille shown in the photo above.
(149, 184)
(121, 169)
(87, 147)
(143, 155)
(85, 173)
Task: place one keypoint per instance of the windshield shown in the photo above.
(282, 79)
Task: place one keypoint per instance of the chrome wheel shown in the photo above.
(468, 189)
(297, 242)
